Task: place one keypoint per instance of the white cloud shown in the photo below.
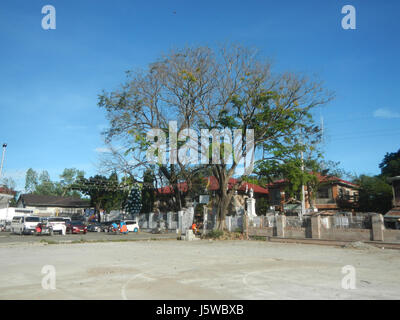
(102, 150)
(386, 114)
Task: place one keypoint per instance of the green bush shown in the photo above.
(215, 234)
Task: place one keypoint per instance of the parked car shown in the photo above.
(58, 224)
(132, 225)
(106, 226)
(7, 226)
(75, 226)
(24, 224)
(44, 228)
(95, 227)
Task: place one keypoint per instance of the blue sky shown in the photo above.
(50, 79)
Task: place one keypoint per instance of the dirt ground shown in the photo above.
(171, 269)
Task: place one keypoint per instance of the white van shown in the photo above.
(24, 225)
(132, 225)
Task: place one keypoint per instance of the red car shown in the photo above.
(76, 227)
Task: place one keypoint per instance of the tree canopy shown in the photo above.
(233, 91)
(390, 165)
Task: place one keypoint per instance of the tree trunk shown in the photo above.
(223, 201)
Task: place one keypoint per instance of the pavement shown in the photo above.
(7, 237)
(203, 269)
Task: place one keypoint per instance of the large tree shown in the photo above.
(31, 180)
(390, 165)
(232, 90)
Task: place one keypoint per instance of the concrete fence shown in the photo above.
(326, 228)
(181, 220)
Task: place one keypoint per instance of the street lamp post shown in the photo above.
(2, 158)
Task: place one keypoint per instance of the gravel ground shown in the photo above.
(197, 270)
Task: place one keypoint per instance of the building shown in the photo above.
(211, 186)
(45, 205)
(333, 193)
(5, 196)
(392, 217)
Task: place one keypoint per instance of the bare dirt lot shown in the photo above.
(171, 269)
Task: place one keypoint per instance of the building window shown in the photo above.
(324, 193)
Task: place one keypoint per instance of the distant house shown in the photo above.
(392, 218)
(332, 192)
(44, 205)
(5, 196)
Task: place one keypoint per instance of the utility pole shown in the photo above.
(2, 158)
(303, 198)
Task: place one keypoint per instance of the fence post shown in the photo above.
(229, 224)
(246, 220)
(378, 227)
(205, 219)
(316, 227)
(150, 224)
(280, 225)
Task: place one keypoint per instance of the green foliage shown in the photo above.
(215, 234)
(31, 180)
(43, 185)
(390, 165)
(148, 191)
(105, 193)
(375, 194)
(262, 206)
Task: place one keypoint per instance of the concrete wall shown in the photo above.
(346, 234)
(295, 232)
(316, 230)
(390, 235)
(264, 232)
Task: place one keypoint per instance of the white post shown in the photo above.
(205, 219)
(303, 198)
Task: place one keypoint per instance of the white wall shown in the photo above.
(8, 213)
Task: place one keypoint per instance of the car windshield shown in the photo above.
(32, 219)
(76, 223)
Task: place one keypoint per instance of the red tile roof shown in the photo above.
(4, 190)
(212, 185)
